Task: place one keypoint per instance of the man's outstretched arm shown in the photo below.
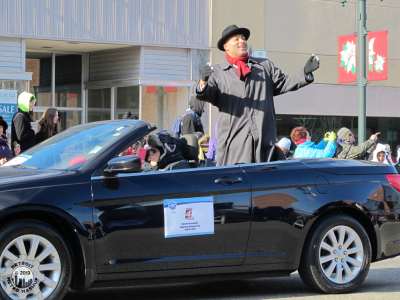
(285, 83)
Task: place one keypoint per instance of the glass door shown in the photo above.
(99, 105)
(127, 102)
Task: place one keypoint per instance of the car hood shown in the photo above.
(16, 176)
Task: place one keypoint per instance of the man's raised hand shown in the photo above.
(205, 72)
(312, 64)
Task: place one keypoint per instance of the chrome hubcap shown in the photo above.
(30, 268)
(341, 254)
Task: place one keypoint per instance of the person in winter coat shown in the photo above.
(5, 151)
(349, 149)
(306, 149)
(242, 88)
(21, 129)
(48, 125)
(191, 120)
(165, 152)
(381, 154)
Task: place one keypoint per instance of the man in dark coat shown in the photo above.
(21, 129)
(243, 89)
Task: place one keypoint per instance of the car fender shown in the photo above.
(80, 235)
(353, 209)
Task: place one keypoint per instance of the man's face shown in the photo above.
(236, 46)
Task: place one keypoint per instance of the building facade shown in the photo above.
(99, 59)
(288, 31)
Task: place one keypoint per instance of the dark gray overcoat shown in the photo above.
(246, 123)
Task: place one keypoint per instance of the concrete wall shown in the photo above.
(294, 29)
(248, 14)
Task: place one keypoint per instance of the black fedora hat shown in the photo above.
(230, 31)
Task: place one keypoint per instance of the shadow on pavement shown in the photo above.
(381, 280)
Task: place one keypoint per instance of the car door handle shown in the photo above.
(228, 180)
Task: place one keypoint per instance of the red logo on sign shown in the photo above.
(188, 214)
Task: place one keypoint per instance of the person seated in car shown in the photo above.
(381, 154)
(164, 152)
(305, 148)
(349, 148)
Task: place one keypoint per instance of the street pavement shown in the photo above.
(383, 282)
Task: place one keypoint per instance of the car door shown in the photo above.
(131, 212)
(284, 194)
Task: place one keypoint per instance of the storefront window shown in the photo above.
(127, 100)
(69, 119)
(161, 105)
(68, 80)
(99, 105)
(68, 90)
(40, 66)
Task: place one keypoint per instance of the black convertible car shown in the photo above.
(75, 214)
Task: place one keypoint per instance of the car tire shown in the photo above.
(337, 256)
(34, 259)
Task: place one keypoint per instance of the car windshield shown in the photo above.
(73, 148)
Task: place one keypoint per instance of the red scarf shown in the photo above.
(241, 62)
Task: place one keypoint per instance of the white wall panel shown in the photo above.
(121, 64)
(12, 59)
(175, 23)
(165, 64)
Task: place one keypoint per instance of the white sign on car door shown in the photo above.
(188, 216)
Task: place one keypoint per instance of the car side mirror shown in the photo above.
(123, 164)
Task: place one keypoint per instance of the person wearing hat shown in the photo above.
(21, 129)
(164, 152)
(349, 149)
(242, 88)
(283, 146)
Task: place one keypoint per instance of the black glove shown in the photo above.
(311, 65)
(205, 72)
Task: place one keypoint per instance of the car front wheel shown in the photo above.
(337, 257)
(34, 262)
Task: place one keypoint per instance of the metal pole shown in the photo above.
(362, 68)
